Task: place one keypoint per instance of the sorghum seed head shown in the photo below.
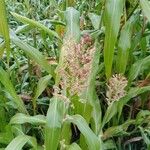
(76, 64)
(116, 88)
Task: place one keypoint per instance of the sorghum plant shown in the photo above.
(74, 75)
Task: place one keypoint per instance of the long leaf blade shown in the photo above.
(92, 140)
(112, 15)
(31, 22)
(137, 67)
(54, 120)
(42, 84)
(4, 79)
(33, 54)
(124, 46)
(146, 8)
(20, 141)
(72, 23)
(4, 28)
(22, 118)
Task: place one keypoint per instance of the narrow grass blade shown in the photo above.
(55, 116)
(33, 53)
(72, 23)
(124, 46)
(91, 95)
(42, 84)
(142, 114)
(145, 137)
(55, 22)
(146, 8)
(110, 112)
(133, 92)
(137, 67)
(112, 15)
(23, 28)
(20, 141)
(22, 118)
(4, 28)
(4, 79)
(92, 140)
(34, 23)
(2, 48)
(28, 27)
(95, 19)
(119, 130)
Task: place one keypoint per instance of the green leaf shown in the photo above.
(95, 19)
(42, 84)
(33, 53)
(82, 107)
(72, 23)
(2, 48)
(119, 130)
(112, 15)
(92, 140)
(22, 118)
(17, 129)
(3, 119)
(56, 22)
(35, 24)
(5, 80)
(135, 41)
(66, 133)
(4, 28)
(110, 112)
(28, 27)
(6, 136)
(23, 28)
(118, 106)
(124, 46)
(54, 120)
(109, 144)
(137, 67)
(90, 93)
(20, 141)
(70, 3)
(74, 146)
(133, 92)
(146, 8)
(145, 137)
(143, 114)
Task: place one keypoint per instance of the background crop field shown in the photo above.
(74, 75)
